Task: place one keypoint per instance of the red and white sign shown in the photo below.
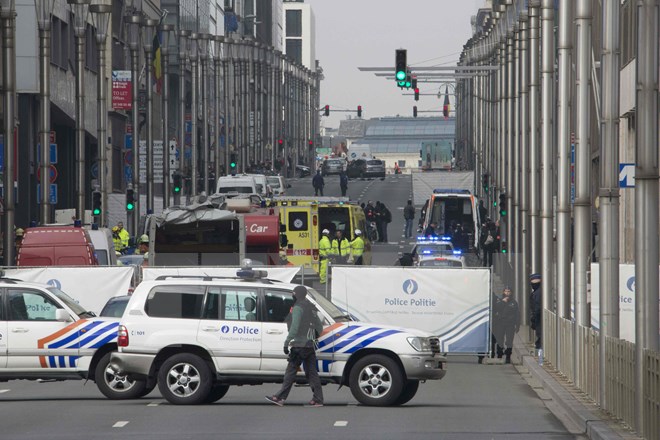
(122, 90)
(262, 230)
(53, 174)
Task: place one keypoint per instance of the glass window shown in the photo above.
(231, 304)
(278, 305)
(298, 221)
(294, 49)
(183, 302)
(293, 23)
(30, 305)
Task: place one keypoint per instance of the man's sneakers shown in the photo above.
(313, 404)
(276, 400)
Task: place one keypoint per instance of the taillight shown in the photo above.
(315, 220)
(122, 336)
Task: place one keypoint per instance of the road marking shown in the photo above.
(401, 246)
(341, 423)
(120, 424)
(154, 404)
(4, 391)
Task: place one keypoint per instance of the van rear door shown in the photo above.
(298, 221)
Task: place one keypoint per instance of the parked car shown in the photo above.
(115, 307)
(103, 246)
(374, 168)
(278, 185)
(356, 168)
(333, 166)
(303, 171)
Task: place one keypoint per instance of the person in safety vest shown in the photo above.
(325, 248)
(357, 248)
(341, 248)
(121, 238)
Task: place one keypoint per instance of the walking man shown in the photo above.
(536, 306)
(305, 328)
(508, 316)
(343, 183)
(318, 183)
(409, 216)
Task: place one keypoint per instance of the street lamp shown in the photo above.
(183, 35)
(133, 28)
(80, 9)
(101, 18)
(192, 53)
(203, 49)
(44, 9)
(165, 31)
(8, 17)
(219, 92)
(148, 26)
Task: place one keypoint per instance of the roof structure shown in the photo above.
(405, 135)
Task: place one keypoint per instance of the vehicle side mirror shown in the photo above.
(62, 315)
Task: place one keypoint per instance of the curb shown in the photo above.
(589, 422)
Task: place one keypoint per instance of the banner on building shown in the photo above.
(453, 304)
(91, 287)
(122, 90)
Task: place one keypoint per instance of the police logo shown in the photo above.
(224, 329)
(55, 283)
(410, 287)
(631, 284)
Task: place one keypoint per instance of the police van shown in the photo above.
(303, 219)
(196, 336)
(449, 207)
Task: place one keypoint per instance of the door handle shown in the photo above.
(274, 332)
(210, 329)
(20, 330)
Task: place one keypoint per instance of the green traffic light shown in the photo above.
(504, 251)
(96, 211)
(232, 165)
(401, 75)
(129, 206)
(177, 189)
(503, 213)
(494, 204)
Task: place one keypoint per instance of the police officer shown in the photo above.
(325, 249)
(508, 316)
(536, 306)
(357, 248)
(341, 248)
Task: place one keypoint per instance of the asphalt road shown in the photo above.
(472, 402)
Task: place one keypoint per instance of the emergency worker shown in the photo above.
(143, 244)
(325, 249)
(341, 248)
(123, 236)
(357, 248)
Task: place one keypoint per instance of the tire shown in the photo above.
(376, 380)
(409, 390)
(147, 390)
(115, 386)
(185, 379)
(217, 392)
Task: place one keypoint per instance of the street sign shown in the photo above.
(52, 150)
(52, 174)
(52, 193)
(122, 90)
(626, 175)
(128, 173)
(128, 141)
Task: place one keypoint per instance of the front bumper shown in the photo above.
(424, 367)
(133, 365)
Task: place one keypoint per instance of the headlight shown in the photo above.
(419, 344)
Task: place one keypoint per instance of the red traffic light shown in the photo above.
(416, 94)
(280, 141)
(359, 111)
(327, 110)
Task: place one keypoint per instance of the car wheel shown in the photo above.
(217, 392)
(409, 390)
(185, 379)
(376, 380)
(116, 386)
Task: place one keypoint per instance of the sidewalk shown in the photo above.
(574, 409)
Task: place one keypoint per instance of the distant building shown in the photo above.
(300, 33)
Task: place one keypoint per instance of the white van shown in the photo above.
(277, 185)
(263, 188)
(103, 246)
(240, 184)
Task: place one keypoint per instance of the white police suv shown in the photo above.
(44, 334)
(196, 336)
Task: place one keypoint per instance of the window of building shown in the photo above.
(294, 23)
(60, 44)
(91, 51)
(294, 50)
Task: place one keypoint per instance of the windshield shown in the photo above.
(329, 308)
(236, 189)
(374, 162)
(274, 182)
(70, 302)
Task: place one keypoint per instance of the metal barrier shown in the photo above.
(651, 394)
(549, 337)
(588, 374)
(620, 379)
(565, 362)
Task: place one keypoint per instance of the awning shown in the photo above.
(262, 230)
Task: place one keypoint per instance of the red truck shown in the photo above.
(56, 246)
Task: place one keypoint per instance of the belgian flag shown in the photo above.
(445, 107)
(157, 67)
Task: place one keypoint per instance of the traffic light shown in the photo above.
(327, 111)
(176, 183)
(130, 200)
(408, 80)
(96, 203)
(311, 144)
(416, 94)
(414, 111)
(401, 65)
(359, 111)
(232, 164)
(494, 203)
(485, 182)
(503, 205)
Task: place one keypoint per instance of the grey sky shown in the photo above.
(358, 33)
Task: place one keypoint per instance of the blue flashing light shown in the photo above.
(426, 252)
(458, 252)
(445, 238)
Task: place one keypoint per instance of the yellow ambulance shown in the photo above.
(303, 219)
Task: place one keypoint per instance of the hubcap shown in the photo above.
(116, 381)
(183, 380)
(375, 381)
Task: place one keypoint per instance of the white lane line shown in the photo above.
(4, 391)
(153, 404)
(341, 423)
(120, 424)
